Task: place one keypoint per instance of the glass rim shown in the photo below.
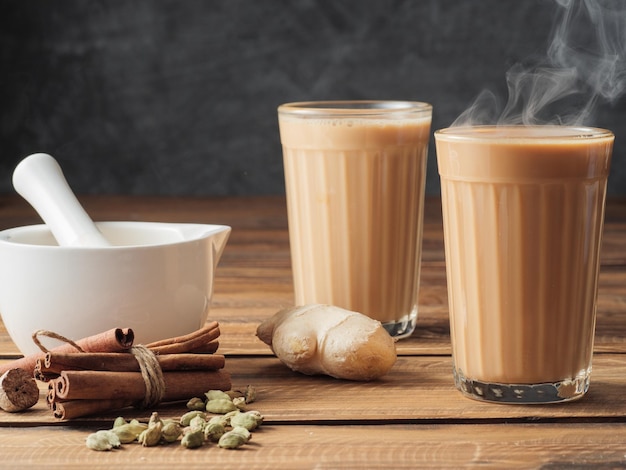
(354, 108)
(525, 133)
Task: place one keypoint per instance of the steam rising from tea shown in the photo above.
(585, 63)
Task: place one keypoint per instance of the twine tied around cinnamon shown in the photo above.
(53, 335)
(149, 366)
(152, 375)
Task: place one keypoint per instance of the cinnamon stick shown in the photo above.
(53, 363)
(89, 385)
(187, 343)
(77, 408)
(208, 348)
(184, 338)
(114, 340)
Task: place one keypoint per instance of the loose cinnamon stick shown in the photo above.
(208, 348)
(130, 386)
(187, 343)
(114, 340)
(77, 408)
(53, 363)
(184, 338)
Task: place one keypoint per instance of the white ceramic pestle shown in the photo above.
(39, 179)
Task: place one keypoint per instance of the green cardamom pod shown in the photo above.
(151, 436)
(250, 394)
(220, 406)
(229, 415)
(231, 440)
(154, 419)
(119, 421)
(217, 395)
(249, 420)
(187, 417)
(194, 439)
(243, 432)
(213, 431)
(196, 404)
(171, 431)
(97, 442)
(129, 432)
(197, 424)
(240, 403)
(220, 419)
(102, 440)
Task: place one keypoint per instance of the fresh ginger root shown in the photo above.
(322, 339)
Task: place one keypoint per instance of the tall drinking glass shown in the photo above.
(523, 212)
(355, 175)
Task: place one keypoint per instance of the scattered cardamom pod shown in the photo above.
(193, 439)
(196, 404)
(103, 440)
(187, 417)
(213, 431)
(217, 395)
(171, 431)
(240, 403)
(223, 420)
(249, 420)
(119, 421)
(151, 436)
(242, 431)
(128, 432)
(231, 440)
(197, 423)
(220, 405)
(154, 419)
(249, 394)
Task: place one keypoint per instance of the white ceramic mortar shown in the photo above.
(156, 278)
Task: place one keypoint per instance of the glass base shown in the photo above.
(562, 391)
(402, 328)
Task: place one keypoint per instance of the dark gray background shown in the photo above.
(179, 97)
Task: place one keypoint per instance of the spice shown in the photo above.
(187, 417)
(234, 439)
(249, 420)
(213, 431)
(129, 432)
(18, 390)
(171, 431)
(230, 430)
(151, 436)
(196, 404)
(103, 440)
(114, 340)
(220, 406)
(193, 439)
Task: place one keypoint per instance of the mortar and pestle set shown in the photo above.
(79, 278)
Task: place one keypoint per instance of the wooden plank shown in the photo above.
(325, 447)
(418, 389)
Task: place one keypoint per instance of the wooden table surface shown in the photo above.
(411, 418)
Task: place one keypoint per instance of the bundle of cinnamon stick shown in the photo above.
(109, 373)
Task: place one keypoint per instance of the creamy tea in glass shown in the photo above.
(523, 211)
(355, 175)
